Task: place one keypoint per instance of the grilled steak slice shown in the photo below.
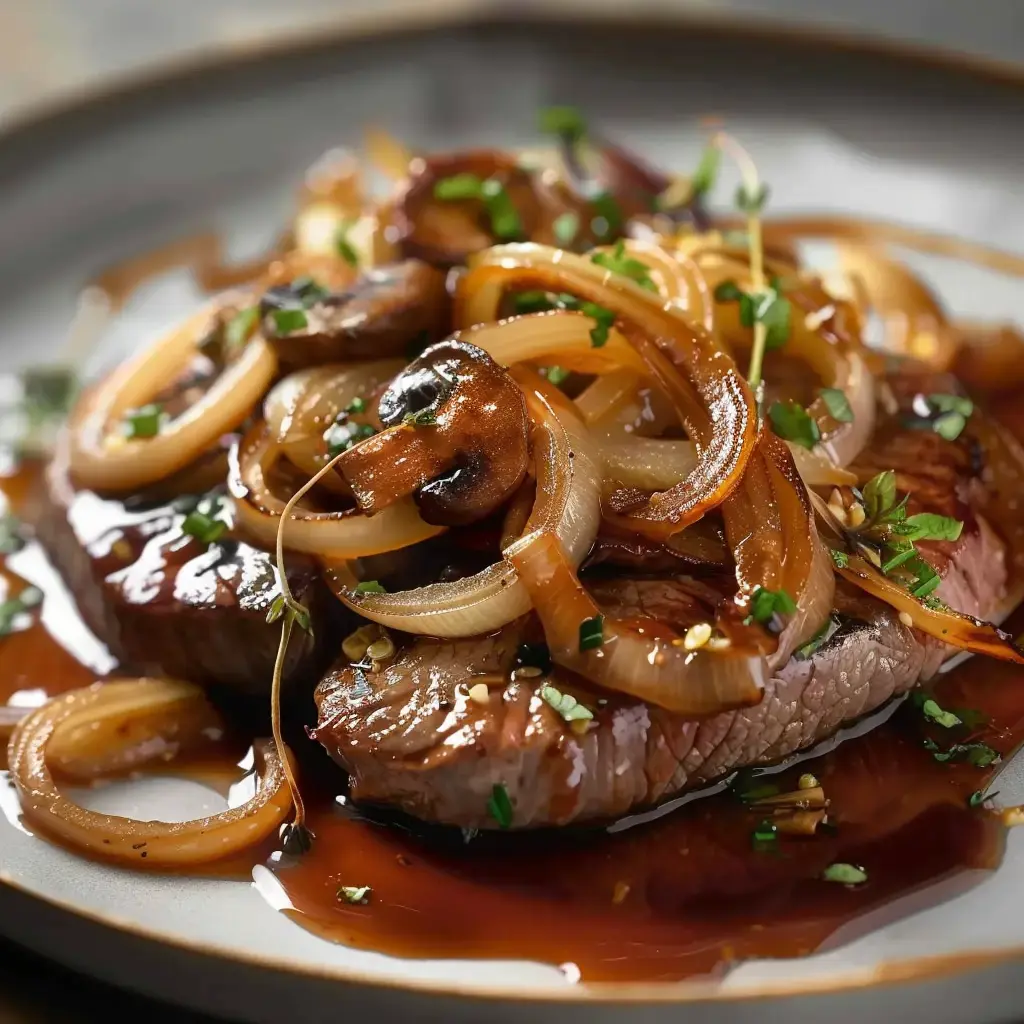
(166, 604)
(409, 735)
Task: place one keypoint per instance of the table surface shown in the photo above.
(52, 50)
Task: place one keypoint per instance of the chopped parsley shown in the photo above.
(765, 604)
(840, 559)
(555, 374)
(287, 321)
(765, 837)
(934, 713)
(204, 527)
(356, 406)
(345, 249)
(12, 535)
(369, 587)
(619, 262)
(342, 436)
(542, 302)
(144, 421)
(14, 611)
(499, 806)
(240, 326)
(591, 633)
(827, 631)
(945, 414)
(566, 227)
(566, 705)
(604, 319)
(981, 755)
(607, 214)
(837, 405)
(770, 308)
(421, 418)
(845, 874)
(792, 422)
(505, 221)
(359, 894)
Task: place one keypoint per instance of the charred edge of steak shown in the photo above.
(166, 605)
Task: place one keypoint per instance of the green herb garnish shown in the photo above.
(566, 227)
(837, 405)
(751, 200)
(791, 421)
(505, 221)
(144, 421)
(14, 609)
(981, 755)
(619, 262)
(356, 406)
(12, 535)
(840, 559)
(604, 317)
(879, 494)
(567, 122)
(369, 587)
(566, 705)
(765, 604)
(608, 215)
(355, 894)
(421, 418)
(934, 713)
(240, 326)
(555, 374)
(769, 308)
(499, 806)
(765, 837)
(203, 527)
(591, 633)
(287, 321)
(340, 437)
(827, 631)
(928, 526)
(704, 177)
(345, 249)
(845, 874)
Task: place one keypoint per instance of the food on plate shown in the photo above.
(541, 492)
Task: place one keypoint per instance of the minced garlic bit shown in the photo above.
(479, 693)
(527, 672)
(906, 619)
(355, 645)
(381, 649)
(697, 636)
(814, 319)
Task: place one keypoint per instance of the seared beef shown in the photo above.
(168, 605)
(409, 735)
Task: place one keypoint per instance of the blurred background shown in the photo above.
(53, 49)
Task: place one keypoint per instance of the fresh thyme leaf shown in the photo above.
(837, 405)
(791, 421)
(276, 609)
(880, 494)
(565, 121)
(751, 202)
(287, 321)
(704, 177)
(369, 587)
(499, 806)
(422, 418)
(240, 326)
(840, 559)
(566, 227)
(773, 310)
(355, 894)
(931, 710)
(592, 633)
(765, 604)
(827, 631)
(928, 526)
(845, 874)
(144, 421)
(566, 705)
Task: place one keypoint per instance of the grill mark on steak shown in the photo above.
(166, 605)
(400, 748)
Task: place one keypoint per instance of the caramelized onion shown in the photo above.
(567, 504)
(105, 460)
(143, 844)
(711, 397)
(342, 534)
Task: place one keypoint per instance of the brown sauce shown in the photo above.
(684, 895)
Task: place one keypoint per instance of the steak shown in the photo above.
(166, 604)
(409, 734)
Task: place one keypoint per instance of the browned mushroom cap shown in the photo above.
(384, 311)
(458, 438)
(447, 231)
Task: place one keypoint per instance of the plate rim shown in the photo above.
(124, 91)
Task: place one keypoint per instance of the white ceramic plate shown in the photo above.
(832, 131)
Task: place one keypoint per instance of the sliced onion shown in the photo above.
(710, 395)
(342, 534)
(567, 504)
(607, 395)
(949, 626)
(103, 459)
(143, 844)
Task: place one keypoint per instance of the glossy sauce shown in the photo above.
(684, 895)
